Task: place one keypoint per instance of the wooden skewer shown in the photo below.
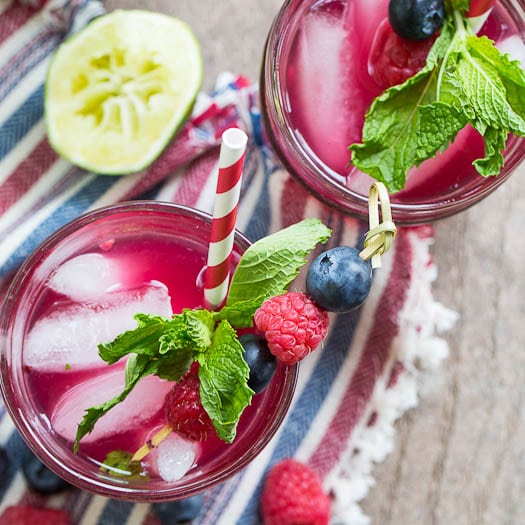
(152, 443)
(379, 238)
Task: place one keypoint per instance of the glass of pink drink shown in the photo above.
(81, 287)
(317, 83)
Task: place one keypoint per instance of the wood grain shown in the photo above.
(459, 457)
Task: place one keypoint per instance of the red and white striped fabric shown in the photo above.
(349, 393)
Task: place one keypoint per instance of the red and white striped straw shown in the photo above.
(231, 161)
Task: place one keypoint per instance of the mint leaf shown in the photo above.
(484, 89)
(189, 329)
(199, 325)
(439, 124)
(492, 162)
(391, 129)
(173, 365)
(118, 463)
(466, 80)
(223, 376)
(142, 340)
(240, 314)
(156, 335)
(396, 134)
(460, 5)
(269, 265)
(510, 76)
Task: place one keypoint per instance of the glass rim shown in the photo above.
(79, 475)
(316, 178)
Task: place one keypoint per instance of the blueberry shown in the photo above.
(39, 477)
(416, 19)
(179, 511)
(260, 360)
(338, 280)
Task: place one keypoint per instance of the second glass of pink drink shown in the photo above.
(82, 287)
(323, 68)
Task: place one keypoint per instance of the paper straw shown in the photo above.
(478, 12)
(231, 160)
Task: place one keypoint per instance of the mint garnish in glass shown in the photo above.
(466, 81)
(167, 347)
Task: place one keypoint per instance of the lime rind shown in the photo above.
(118, 91)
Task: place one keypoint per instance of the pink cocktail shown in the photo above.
(82, 287)
(320, 76)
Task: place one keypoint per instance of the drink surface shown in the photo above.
(329, 89)
(90, 299)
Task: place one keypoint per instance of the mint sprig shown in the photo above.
(269, 266)
(167, 347)
(223, 376)
(466, 80)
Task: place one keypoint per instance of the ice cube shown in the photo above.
(318, 85)
(514, 46)
(173, 458)
(68, 337)
(141, 405)
(86, 277)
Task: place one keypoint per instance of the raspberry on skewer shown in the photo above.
(184, 412)
(293, 325)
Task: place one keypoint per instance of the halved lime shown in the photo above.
(117, 91)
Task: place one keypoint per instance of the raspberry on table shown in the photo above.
(293, 494)
(393, 59)
(29, 515)
(184, 409)
(293, 325)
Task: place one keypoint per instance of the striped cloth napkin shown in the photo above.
(349, 393)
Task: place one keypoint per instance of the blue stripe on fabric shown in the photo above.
(35, 53)
(115, 511)
(17, 450)
(68, 211)
(21, 121)
(259, 222)
(152, 193)
(310, 400)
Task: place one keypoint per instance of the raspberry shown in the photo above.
(27, 515)
(293, 494)
(392, 59)
(184, 409)
(293, 325)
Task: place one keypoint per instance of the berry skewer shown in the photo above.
(292, 324)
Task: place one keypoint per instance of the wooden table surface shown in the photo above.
(460, 455)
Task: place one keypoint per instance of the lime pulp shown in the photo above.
(117, 91)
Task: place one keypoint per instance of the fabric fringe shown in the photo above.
(418, 348)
